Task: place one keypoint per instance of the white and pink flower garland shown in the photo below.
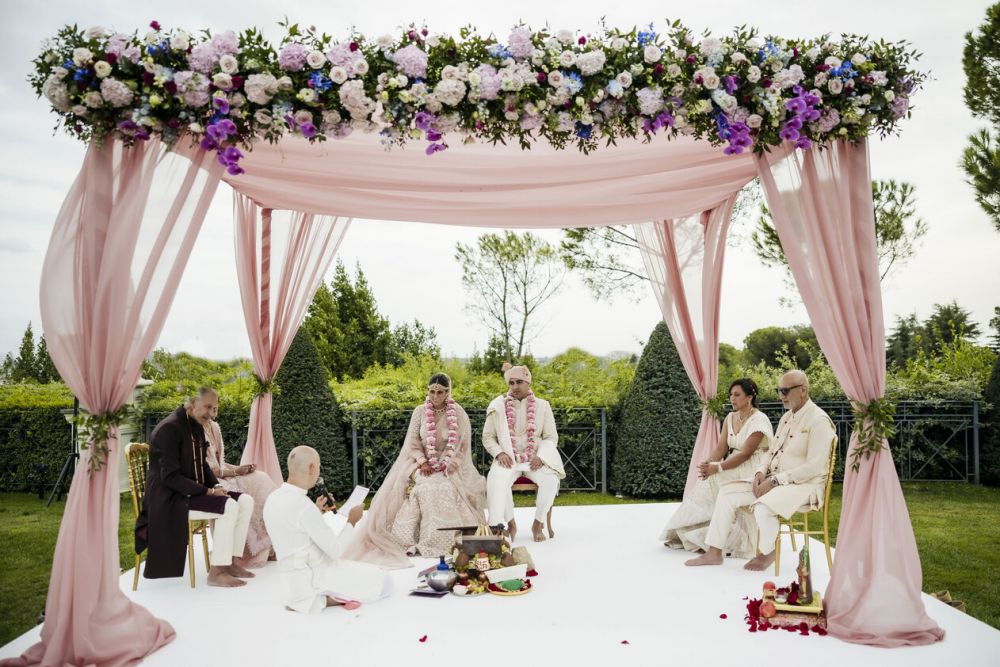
(440, 465)
(529, 451)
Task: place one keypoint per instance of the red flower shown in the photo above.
(155, 25)
(111, 58)
(354, 46)
(624, 641)
(422, 639)
(582, 40)
(723, 616)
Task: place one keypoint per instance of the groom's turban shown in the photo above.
(518, 373)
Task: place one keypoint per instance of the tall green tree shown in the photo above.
(769, 344)
(946, 324)
(898, 229)
(981, 158)
(905, 342)
(24, 366)
(659, 421)
(306, 413)
(995, 326)
(509, 277)
(45, 368)
(949, 322)
(413, 339)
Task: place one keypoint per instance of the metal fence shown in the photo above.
(376, 436)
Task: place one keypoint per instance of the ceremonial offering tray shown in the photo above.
(520, 587)
(815, 608)
(466, 592)
(507, 573)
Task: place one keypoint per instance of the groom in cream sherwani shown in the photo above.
(516, 453)
(792, 476)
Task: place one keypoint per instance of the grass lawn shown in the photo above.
(957, 528)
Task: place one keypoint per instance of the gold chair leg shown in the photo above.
(135, 577)
(191, 553)
(777, 552)
(826, 541)
(791, 532)
(548, 520)
(204, 547)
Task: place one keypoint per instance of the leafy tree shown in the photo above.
(306, 413)
(608, 261)
(23, 367)
(898, 229)
(949, 322)
(767, 345)
(981, 158)
(995, 326)
(660, 416)
(905, 341)
(46, 370)
(414, 340)
(510, 277)
(492, 358)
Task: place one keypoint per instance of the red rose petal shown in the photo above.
(422, 639)
(723, 616)
(625, 641)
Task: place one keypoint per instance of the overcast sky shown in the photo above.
(957, 260)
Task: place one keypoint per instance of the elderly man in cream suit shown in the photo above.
(313, 573)
(791, 476)
(520, 434)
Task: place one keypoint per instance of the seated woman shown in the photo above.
(433, 484)
(746, 435)
(245, 479)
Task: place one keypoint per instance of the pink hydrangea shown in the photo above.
(193, 87)
(292, 57)
(489, 82)
(341, 55)
(829, 120)
(226, 42)
(520, 45)
(115, 92)
(117, 43)
(411, 61)
(530, 121)
(202, 58)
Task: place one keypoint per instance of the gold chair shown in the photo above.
(802, 525)
(137, 459)
(525, 484)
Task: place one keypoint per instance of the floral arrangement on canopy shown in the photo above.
(743, 91)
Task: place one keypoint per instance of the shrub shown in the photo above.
(989, 439)
(660, 416)
(306, 413)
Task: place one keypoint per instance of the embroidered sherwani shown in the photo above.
(498, 438)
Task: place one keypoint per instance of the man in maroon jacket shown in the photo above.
(180, 486)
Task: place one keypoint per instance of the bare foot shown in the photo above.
(538, 531)
(240, 572)
(761, 562)
(712, 558)
(218, 576)
(512, 530)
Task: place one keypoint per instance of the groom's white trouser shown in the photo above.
(498, 494)
(732, 497)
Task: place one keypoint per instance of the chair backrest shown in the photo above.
(830, 471)
(137, 458)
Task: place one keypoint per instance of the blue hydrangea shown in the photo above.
(573, 83)
(583, 131)
(319, 82)
(498, 51)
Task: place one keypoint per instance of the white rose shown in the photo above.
(102, 69)
(510, 115)
(262, 117)
(316, 59)
(755, 42)
(625, 79)
(94, 32)
(229, 64)
(889, 96)
(303, 116)
(813, 53)
(237, 100)
(754, 121)
(835, 86)
(93, 99)
(565, 36)
(652, 53)
(820, 78)
(711, 81)
(338, 74)
(474, 78)
(384, 42)
(635, 69)
(222, 80)
(776, 66)
(401, 80)
(567, 58)
(285, 83)
(857, 59)
(704, 106)
(196, 128)
(361, 67)
(738, 58)
(79, 110)
(680, 54)
(450, 72)
(753, 74)
(586, 119)
(555, 79)
(82, 56)
(579, 101)
(673, 70)
(433, 41)
(180, 41)
(618, 43)
(307, 95)
(866, 99)
(60, 72)
(832, 61)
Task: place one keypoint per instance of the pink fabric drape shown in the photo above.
(109, 277)
(823, 213)
(273, 316)
(684, 260)
(486, 185)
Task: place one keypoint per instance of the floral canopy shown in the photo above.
(668, 126)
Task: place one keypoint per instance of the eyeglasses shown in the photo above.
(785, 391)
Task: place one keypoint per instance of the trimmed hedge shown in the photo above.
(659, 421)
(34, 443)
(306, 413)
(989, 440)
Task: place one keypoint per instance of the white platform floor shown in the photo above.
(603, 580)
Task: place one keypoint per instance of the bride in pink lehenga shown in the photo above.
(245, 479)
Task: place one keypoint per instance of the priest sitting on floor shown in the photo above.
(180, 486)
(313, 573)
(520, 434)
(791, 476)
